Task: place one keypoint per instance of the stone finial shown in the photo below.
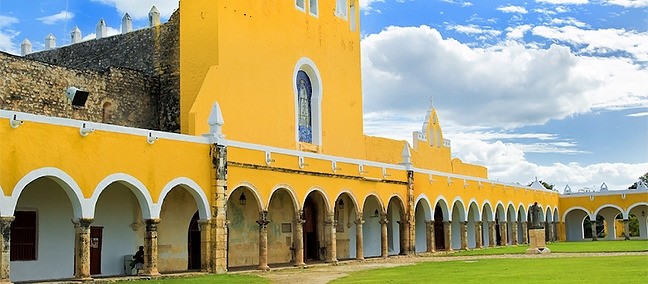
(407, 156)
(154, 17)
(75, 35)
(25, 47)
(216, 122)
(127, 24)
(102, 30)
(50, 42)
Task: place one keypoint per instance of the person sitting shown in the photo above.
(138, 260)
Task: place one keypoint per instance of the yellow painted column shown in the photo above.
(5, 259)
(359, 237)
(447, 230)
(82, 249)
(299, 239)
(263, 240)
(151, 248)
(384, 250)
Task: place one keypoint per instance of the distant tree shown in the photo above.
(643, 178)
(634, 225)
(546, 185)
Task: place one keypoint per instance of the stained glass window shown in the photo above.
(305, 93)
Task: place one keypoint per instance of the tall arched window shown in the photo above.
(305, 94)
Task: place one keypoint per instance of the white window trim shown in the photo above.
(300, 8)
(340, 15)
(307, 65)
(310, 9)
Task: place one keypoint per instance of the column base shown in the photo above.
(83, 279)
(264, 268)
(332, 262)
(300, 265)
(150, 274)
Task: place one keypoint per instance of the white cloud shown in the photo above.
(139, 9)
(512, 9)
(58, 17)
(7, 35)
(629, 3)
(569, 21)
(458, 2)
(639, 114)
(599, 41)
(517, 32)
(564, 2)
(473, 30)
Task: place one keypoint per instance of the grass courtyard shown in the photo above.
(481, 266)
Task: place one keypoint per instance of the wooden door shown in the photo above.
(96, 241)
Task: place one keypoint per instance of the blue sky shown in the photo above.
(556, 89)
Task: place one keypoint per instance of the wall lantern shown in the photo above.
(341, 204)
(242, 199)
(375, 214)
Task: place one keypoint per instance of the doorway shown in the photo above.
(439, 236)
(193, 244)
(96, 240)
(311, 243)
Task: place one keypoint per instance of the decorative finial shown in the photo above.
(127, 23)
(50, 42)
(154, 17)
(102, 30)
(25, 47)
(75, 35)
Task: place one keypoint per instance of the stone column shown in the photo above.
(593, 224)
(525, 233)
(384, 249)
(555, 231)
(219, 221)
(551, 231)
(514, 233)
(151, 248)
(401, 237)
(492, 240)
(626, 229)
(406, 240)
(82, 249)
(503, 233)
(429, 236)
(205, 245)
(299, 239)
(5, 229)
(359, 237)
(331, 245)
(263, 240)
(447, 230)
(478, 234)
(463, 229)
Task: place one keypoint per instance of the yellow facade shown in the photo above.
(253, 182)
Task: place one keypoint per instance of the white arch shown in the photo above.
(548, 214)
(623, 213)
(490, 206)
(80, 206)
(499, 204)
(633, 206)
(510, 208)
(193, 188)
(522, 212)
(291, 192)
(327, 202)
(555, 214)
(380, 203)
(428, 210)
(587, 212)
(470, 203)
(253, 189)
(402, 203)
(462, 209)
(352, 196)
(444, 207)
(137, 188)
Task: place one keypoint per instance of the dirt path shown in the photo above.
(324, 273)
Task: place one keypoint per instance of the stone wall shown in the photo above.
(152, 51)
(117, 96)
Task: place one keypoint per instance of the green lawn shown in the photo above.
(619, 269)
(585, 246)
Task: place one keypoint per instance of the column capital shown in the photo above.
(263, 219)
(151, 224)
(82, 222)
(359, 221)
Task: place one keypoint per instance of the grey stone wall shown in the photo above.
(117, 96)
(154, 52)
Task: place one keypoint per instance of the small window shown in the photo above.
(301, 5)
(23, 236)
(286, 228)
(341, 8)
(312, 5)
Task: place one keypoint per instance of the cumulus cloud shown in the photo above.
(473, 30)
(7, 35)
(58, 17)
(512, 9)
(140, 9)
(458, 2)
(629, 3)
(569, 21)
(517, 32)
(564, 2)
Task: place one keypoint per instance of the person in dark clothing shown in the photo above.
(138, 259)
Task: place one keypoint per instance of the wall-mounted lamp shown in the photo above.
(301, 162)
(76, 96)
(84, 131)
(334, 166)
(268, 158)
(151, 139)
(14, 122)
(341, 204)
(242, 199)
(643, 214)
(361, 169)
(375, 214)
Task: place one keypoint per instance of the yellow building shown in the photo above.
(271, 167)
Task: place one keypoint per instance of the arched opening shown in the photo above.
(487, 218)
(474, 231)
(521, 217)
(243, 209)
(371, 229)
(345, 216)
(43, 213)
(574, 220)
(178, 209)
(395, 227)
(610, 227)
(439, 236)
(314, 217)
(281, 214)
(511, 230)
(118, 227)
(588, 233)
(422, 215)
(457, 219)
(638, 221)
(193, 243)
(500, 218)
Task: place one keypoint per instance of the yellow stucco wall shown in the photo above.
(596, 201)
(243, 55)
